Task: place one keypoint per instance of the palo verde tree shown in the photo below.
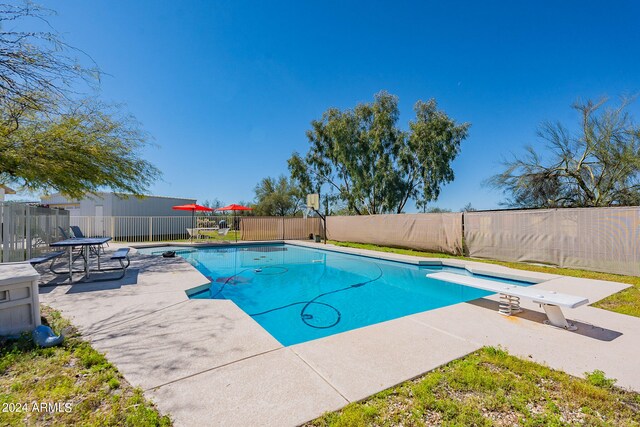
(364, 160)
(597, 165)
(277, 197)
(52, 137)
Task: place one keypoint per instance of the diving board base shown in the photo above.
(511, 294)
(556, 318)
(509, 305)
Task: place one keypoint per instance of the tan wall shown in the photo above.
(276, 228)
(441, 232)
(599, 239)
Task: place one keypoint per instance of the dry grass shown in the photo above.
(72, 373)
(625, 302)
(491, 388)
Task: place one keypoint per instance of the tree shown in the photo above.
(468, 208)
(213, 204)
(598, 165)
(75, 152)
(362, 158)
(37, 67)
(51, 136)
(436, 209)
(277, 197)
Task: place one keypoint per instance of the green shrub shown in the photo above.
(598, 379)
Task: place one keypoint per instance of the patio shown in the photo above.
(204, 360)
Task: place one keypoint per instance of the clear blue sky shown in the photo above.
(227, 89)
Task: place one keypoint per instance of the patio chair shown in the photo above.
(63, 233)
(79, 253)
(66, 236)
(223, 231)
(194, 233)
(77, 233)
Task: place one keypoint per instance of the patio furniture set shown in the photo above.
(78, 246)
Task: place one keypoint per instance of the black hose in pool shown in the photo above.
(306, 317)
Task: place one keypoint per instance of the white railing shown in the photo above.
(174, 228)
(152, 228)
(27, 230)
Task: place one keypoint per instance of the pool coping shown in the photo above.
(474, 267)
(327, 373)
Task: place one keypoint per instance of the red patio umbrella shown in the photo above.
(192, 207)
(233, 207)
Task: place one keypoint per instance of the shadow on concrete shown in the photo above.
(131, 278)
(112, 302)
(170, 343)
(584, 329)
(140, 264)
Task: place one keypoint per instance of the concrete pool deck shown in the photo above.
(206, 362)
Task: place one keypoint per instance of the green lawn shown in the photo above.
(73, 373)
(625, 302)
(492, 388)
(213, 235)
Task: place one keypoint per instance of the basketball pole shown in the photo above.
(324, 223)
(313, 200)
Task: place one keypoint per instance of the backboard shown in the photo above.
(313, 201)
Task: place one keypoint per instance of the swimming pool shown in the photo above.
(299, 294)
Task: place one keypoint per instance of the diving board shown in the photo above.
(551, 301)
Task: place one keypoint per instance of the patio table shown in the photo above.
(85, 243)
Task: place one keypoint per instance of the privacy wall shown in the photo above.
(276, 228)
(441, 232)
(599, 239)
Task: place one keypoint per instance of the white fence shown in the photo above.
(149, 228)
(28, 230)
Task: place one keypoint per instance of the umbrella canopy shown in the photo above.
(234, 207)
(192, 207)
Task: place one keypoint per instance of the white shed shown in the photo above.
(125, 217)
(114, 204)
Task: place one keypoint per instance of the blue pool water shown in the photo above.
(299, 294)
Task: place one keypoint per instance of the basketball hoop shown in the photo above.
(313, 201)
(313, 204)
(306, 211)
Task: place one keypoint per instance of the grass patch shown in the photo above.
(626, 301)
(74, 374)
(492, 388)
(231, 236)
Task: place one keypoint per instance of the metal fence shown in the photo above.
(600, 239)
(165, 228)
(27, 230)
(151, 228)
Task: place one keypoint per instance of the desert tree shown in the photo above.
(53, 135)
(598, 164)
(277, 197)
(365, 161)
